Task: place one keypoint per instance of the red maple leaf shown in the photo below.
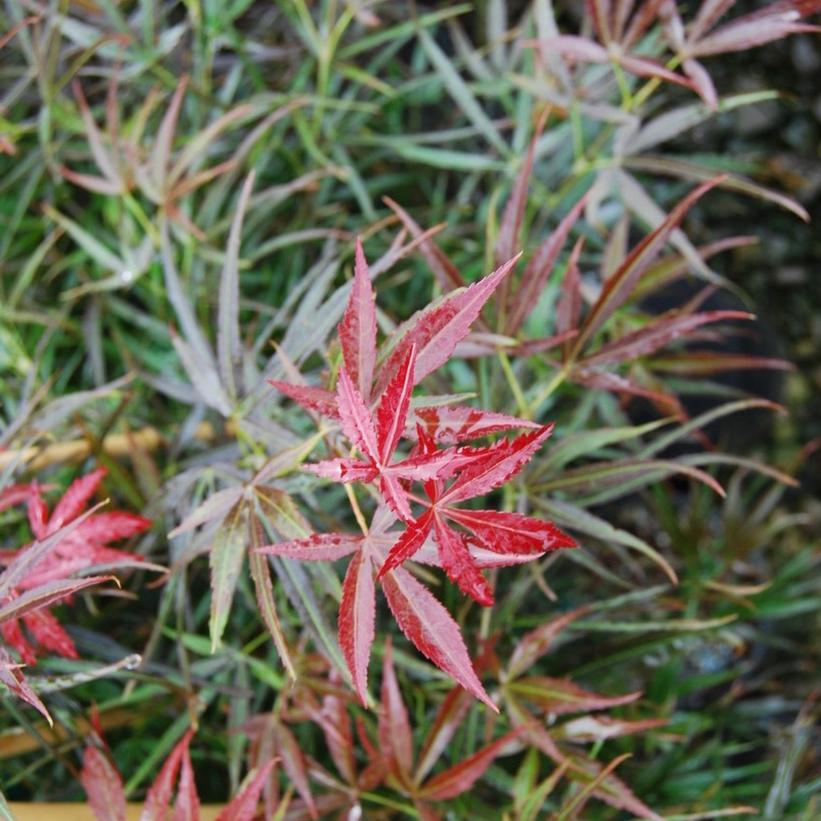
(502, 533)
(83, 547)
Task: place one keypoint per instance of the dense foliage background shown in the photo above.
(182, 186)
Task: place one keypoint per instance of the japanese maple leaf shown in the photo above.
(106, 795)
(433, 332)
(376, 438)
(420, 616)
(497, 531)
(83, 546)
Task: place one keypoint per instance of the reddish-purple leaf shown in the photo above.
(243, 807)
(501, 462)
(187, 805)
(395, 736)
(312, 399)
(462, 776)
(538, 270)
(394, 495)
(295, 766)
(16, 494)
(37, 511)
(751, 31)
(356, 418)
(103, 786)
(458, 564)
(657, 334)
(438, 261)
(452, 424)
(357, 621)
(432, 630)
(393, 407)
(357, 330)
(159, 796)
(46, 595)
(437, 329)
(113, 526)
(536, 643)
(75, 499)
(558, 696)
(320, 547)
(702, 82)
(343, 470)
(448, 720)
(49, 633)
(408, 543)
(13, 678)
(511, 532)
(619, 286)
(569, 307)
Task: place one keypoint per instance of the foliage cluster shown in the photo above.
(597, 609)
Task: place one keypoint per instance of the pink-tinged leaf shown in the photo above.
(294, 764)
(243, 806)
(159, 796)
(343, 470)
(357, 612)
(336, 727)
(657, 334)
(356, 418)
(187, 805)
(462, 776)
(601, 728)
(708, 14)
(600, 12)
(749, 32)
(514, 212)
(225, 560)
(536, 643)
(357, 330)
(12, 634)
(103, 786)
(558, 696)
(458, 564)
(16, 495)
(112, 526)
(702, 82)
(408, 543)
(547, 343)
(620, 285)
(13, 678)
(449, 718)
(452, 424)
(538, 269)
(617, 383)
(707, 363)
(432, 630)
(49, 633)
(321, 547)
(425, 811)
(161, 154)
(443, 268)
(312, 399)
(46, 595)
(75, 499)
(578, 48)
(486, 559)
(569, 307)
(511, 532)
(501, 462)
(38, 515)
(393, 408)
(394, 495)
(644, 67)
(437, 329)
(395, 735)
(91, 182)
(644, 17)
